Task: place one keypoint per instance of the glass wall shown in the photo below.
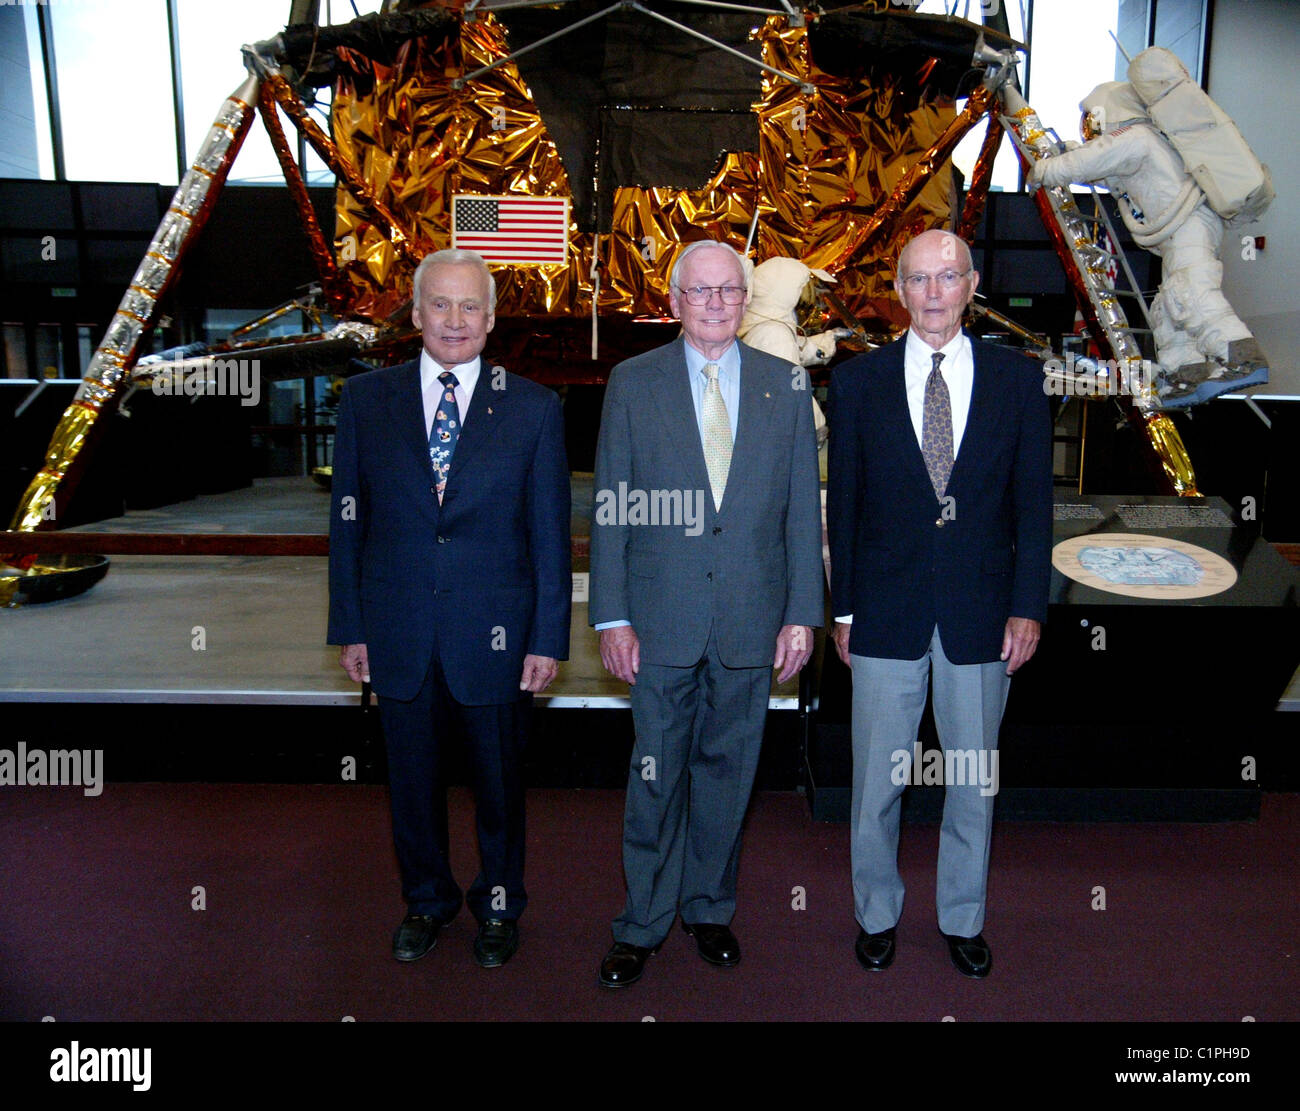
(26, 149)
(119, 77)
(114, 80)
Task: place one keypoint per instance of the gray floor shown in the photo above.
(261, 621)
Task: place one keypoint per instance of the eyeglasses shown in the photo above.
(949, 279)
(703, 294)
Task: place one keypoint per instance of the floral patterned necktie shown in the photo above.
(445, 431)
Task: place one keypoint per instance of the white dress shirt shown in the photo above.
(958, 370)
(431, 389)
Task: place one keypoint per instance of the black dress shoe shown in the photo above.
(970, 955)
(496, 942)
(717, 944)
(875, 951)
(624, 963)
(417, 934)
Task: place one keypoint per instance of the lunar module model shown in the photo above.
(818, 136)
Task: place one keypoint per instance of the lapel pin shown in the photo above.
(489, 410)
(767, 395)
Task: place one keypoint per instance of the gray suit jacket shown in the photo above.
(662, 558)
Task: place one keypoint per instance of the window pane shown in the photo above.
(212, 67)
(25, 149)
(15, 351)
(317, 172)
(341, 11)
(115, 91)
(49, 351)
(1070, 56)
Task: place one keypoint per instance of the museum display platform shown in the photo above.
(1161, 687)
(215, 667)
(264, 697)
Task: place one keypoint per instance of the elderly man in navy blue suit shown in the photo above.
(449, 589)
(939, 511)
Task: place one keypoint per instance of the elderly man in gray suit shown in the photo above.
(706, 573)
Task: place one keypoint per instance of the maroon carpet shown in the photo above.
(302, 896)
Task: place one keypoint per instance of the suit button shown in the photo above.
(433, 490)
(717, 530)
(444, 540)
(709, 576)
(939, 523)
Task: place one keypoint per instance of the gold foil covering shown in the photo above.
(823, 166)
(1169, 449)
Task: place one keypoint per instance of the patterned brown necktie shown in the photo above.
(936, 428)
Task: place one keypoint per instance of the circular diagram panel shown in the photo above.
(1141, 566)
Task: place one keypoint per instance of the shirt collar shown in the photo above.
(920, 352)
(728, 362)
(466, 373)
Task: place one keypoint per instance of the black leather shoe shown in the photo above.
(717, 944)
(417, 934)
(875, 951)
(970, 955)
(624, 963)
(496, 942)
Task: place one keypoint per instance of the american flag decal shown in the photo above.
(512, 229)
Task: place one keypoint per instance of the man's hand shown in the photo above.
(620, 652)
(1019, 641)
(354, 660)
(794, 648)
(539, 672)
(840, 635)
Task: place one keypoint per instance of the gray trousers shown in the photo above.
(888, 701)
(699, 731)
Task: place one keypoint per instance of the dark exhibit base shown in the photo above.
(1133, 708)
(182, 742)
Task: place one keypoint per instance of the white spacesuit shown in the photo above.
(771, 324)
(1198, 336)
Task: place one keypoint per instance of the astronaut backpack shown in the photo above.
(1236, 184)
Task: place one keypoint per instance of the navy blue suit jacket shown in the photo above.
(487, 572)
(902, 561)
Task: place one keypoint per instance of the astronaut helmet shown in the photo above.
(1108, 106)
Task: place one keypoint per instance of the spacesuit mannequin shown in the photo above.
(771, 324)
(1198, 336)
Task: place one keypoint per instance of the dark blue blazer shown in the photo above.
(902, 561)
(487, 572)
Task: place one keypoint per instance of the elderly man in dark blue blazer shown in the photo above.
(450, 589)
(939, 510)
(705, 575)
